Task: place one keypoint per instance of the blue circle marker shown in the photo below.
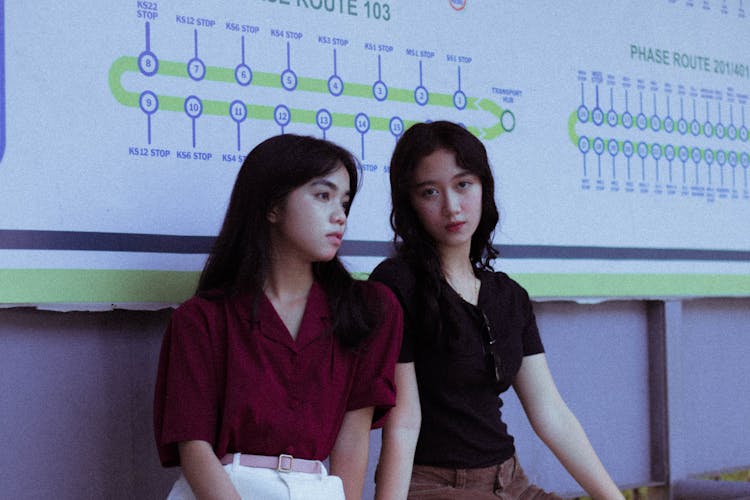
(695, 128)
(148, 63)
(335, 85)
(744, 160)
(612, 118)
(720, 130)
(708, 155)
(583, 144)
(362, 123)
(396, 126)
(599, 146)
(380, 90)
(641, 121)
(508, 120)
(708, 129)
(243, 74)
(695, 154)
(627, 149)
(613, 147)
(421, 95)
(682, 126)
(324, 119)
(669, 124)
(656, 151)
(289, 80)
(683, 153)
(733, 158)
(196, 69)
(721, 157)
(282, 116)
(743, 133)
(597, 116)
(655, 123)
(193, 106)
(459, 99)
(148, 102)
(732, 132)
(582, 113)
(642, 150)
(627, 119)
(669, 152)
(238, 111)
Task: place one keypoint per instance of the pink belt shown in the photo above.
(282, 463)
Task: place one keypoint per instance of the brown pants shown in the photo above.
(506, 481)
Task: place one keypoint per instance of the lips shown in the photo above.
(454, 227)
(335, 238)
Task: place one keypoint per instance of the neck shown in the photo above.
(456, 264)
(288, 278)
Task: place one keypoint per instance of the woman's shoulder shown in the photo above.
(503, 284)
(396, 273)
(379, 293)
(203, 304)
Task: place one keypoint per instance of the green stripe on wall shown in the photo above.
(49, 286)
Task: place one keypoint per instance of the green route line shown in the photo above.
(108, 286)
(575, 138)
(127, 64)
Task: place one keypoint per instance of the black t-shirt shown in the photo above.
(462, 425)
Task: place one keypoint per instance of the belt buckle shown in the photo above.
(285, 463)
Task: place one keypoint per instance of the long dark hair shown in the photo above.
(413, 242)
(239, 261)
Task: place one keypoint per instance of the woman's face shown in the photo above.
(309, 225)
(447, 199)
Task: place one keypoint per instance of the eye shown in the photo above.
(428, 192)
(323, 196)
(346, 204)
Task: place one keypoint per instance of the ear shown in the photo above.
(274, 215)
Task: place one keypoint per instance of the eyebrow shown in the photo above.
(330, 185)
(457, 176)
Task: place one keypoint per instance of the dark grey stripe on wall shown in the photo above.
(158, 243)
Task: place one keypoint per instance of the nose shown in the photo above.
(451, 204)
(339, 216)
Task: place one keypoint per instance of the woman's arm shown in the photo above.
(400, 435)
(204, 472)
(350, 452)
(560, 430)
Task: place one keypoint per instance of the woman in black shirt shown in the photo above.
(469, 334)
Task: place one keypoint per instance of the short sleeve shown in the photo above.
(374, 381)
(397, 276)
(532, 341)
(185, 399)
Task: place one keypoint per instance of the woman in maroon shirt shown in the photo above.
(281, 359)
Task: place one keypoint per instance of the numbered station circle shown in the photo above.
(733, 159)
(720, 130)
(708, 129)
(642, 150)
(362, 123)
(380, 90)
(335, 85)
(238, 111)
(243, 74)
(721, 157)
(324, 119)
(708, 155)
(627, 119)
(656, 151)
(599, 146)
(612, 118)
(641, 121)
(682, 126)
(627, 149)
(282, 116)
(148, 63)
(683, 153)
(148, 102)
(743, 133)
(696, 155)
(396, 126)
(196, 69)
(655, 123)
(583, 113)
(669, 152)
(744, 160)
(421, 95)
(613, 147)
(695, 128)
(459, 99)
(732, 132)
(289, 79)
(193, 106)
(669, 124)
(583, 144)
(597, 116)
(508, 120)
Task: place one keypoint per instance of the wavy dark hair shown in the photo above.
(413, 242)
(239, 261)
